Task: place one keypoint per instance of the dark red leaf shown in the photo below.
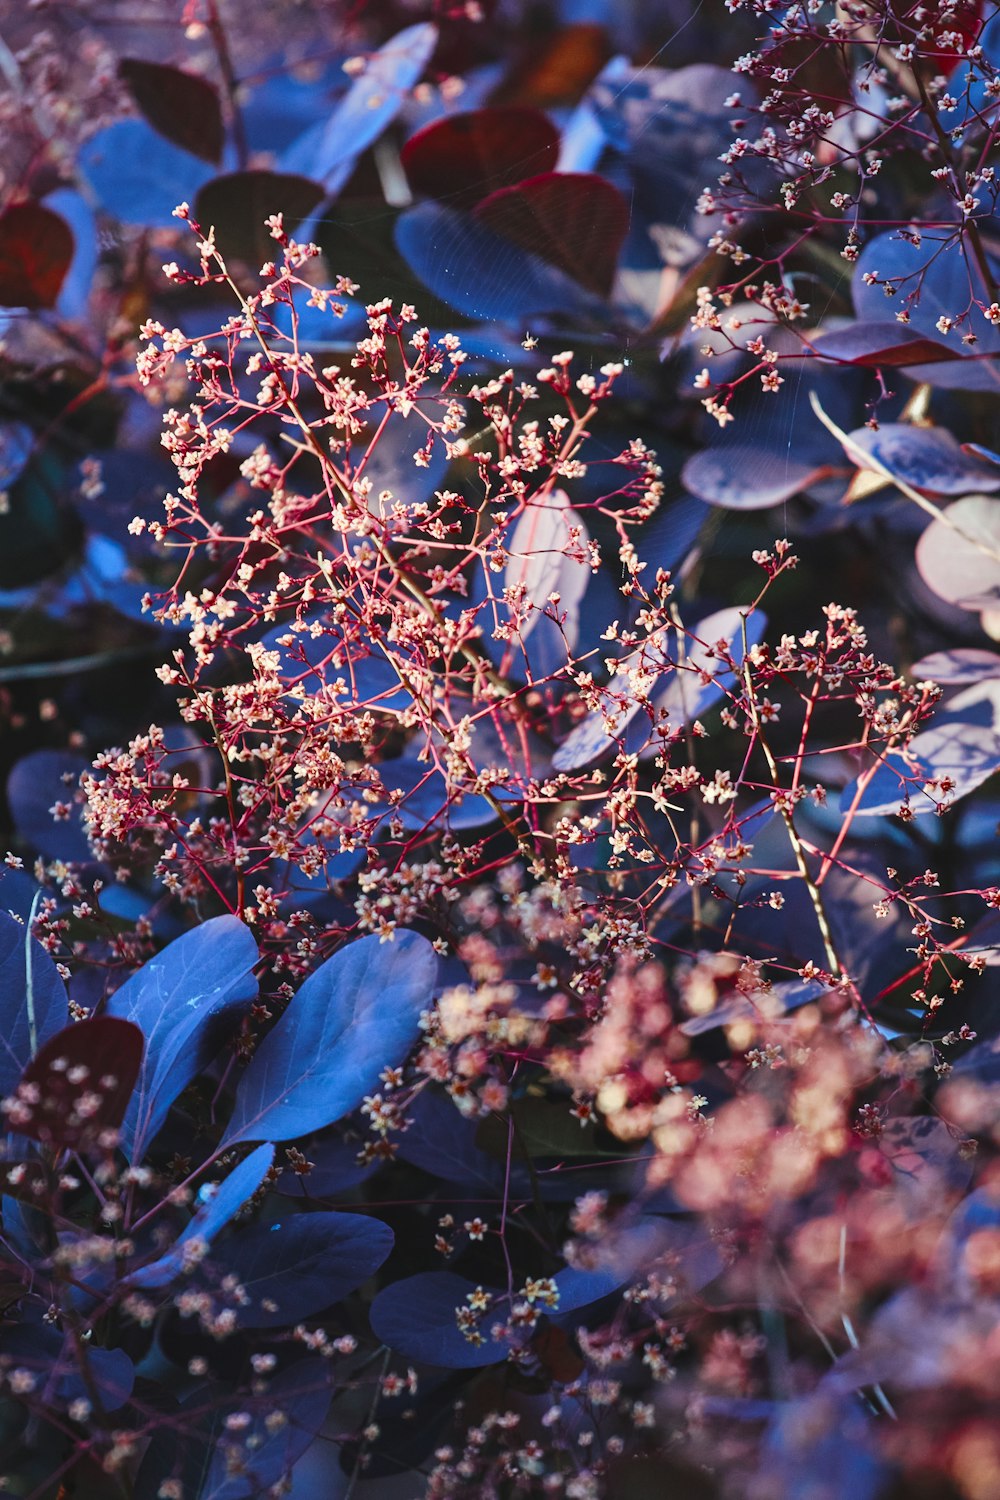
(182, 107)
(238, 203)
(881, 344)
(36, 247)
(77, 1086)
(574, 220)
(462, 159)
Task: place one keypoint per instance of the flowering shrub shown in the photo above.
(521, 1020)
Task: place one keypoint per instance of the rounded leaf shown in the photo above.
(464, 157)
(950, 561)
(181, 106)
(575, 221)
(237, 204)
(36, 248)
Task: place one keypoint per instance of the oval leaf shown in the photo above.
(174, 999)
(417, 1317)
(36, 248)
(481, 273)
(952, 564)
(928, 458)
(139, 177)
(356, 1014)
(34, 999)
(965, 664)
(575, 221)
(181, 106)
(371, 103)
(237, 204)
(294, 1269)
(743, 477)
(881, 346)
(962, 745)
(213, 1216)
(464, 157)
(78, 1084)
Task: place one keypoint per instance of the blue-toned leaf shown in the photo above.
(416, 1317)
(817, 1446)
(336, 1171)
(78, 214)
(965, 664)
(483, 275)
(137, 176)
(686, 695)
(40, 781)
(928, 458)
(370, 104)
(356, 1014)
(934, 281)
(210, 1219)
(961, 744)
(675, 687)
(174, 999)
(745, 477)
(951, 563)
(53, 1357)
(295, 1268)
(252, 1461)
(313, 664)
(34, 1000)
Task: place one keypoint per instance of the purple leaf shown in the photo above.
(746, 477)
(575, 221)
(237, 204)
(882, 345)
(356, 1014)
(966, 664)
(484, 275)
(174, 999)
(372, 102)
(295, 1268)
(952, 565)
(927, 458)
(36, 249)
(210, 1219)
(962, 745)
